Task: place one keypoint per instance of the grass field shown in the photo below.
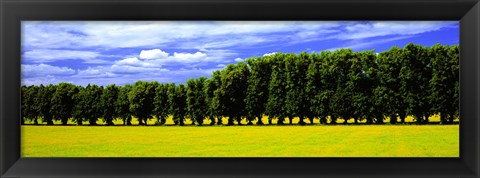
(241, 141)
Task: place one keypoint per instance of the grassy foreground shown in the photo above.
(241, 141)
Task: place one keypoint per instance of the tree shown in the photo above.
(233, 91)
(211, 86)
(296, 103)
(277, 90)
(30, 109)
(109, 97)
(178, 103)
(320, 85)
(196, 100)
(88, 104)
(341, 99)
(415, 78)
(63, 102)
(444, 81)
(161, 110)
(141, 101)
(122, 105)
(24, 106)
(361, 81)
(257, 90)
(44, 102)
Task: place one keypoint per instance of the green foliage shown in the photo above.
(257, 90)
(141, 100)
(63, 101)
(162, 109)
(109, 97)
(88, 105)
(415, 77)
(30, 110)
(320, 85)
(178, 103)
(44, 102)
(277, 90)
(196, 100)
(233, 91)
(213, 104)
(414, 80)
(296, 67)
(122, 105)
(444, 97)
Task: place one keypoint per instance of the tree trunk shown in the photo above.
(239, 120)
(140, 121)
(212, 119)
(280, 120)
(64, 121)
(35, 121)
(443, 118)
(301, 122)
(345, 120)
(230, 120)
(379, 120)
(91, 121)
(393, 119)
(369, 120)
(427, 118)
(290, 120)
(259, 120)
(269, 121)
(49, 121)
(418, 119)
(200, 122)
(451, 118)
(402, 118)
(323, 120)
(334, 120)
(182, 121)
(219, 120)
(311, 120)
(79, 122)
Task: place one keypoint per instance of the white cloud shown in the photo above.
(189, 57)
(355, 44)
(51, 55)
(153, 54)
(269, 54)
(41, 70)
(95, 73)
(238, 59)
(385, 28)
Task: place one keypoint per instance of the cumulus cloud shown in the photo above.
(269, 54)
(157, 58)
(238, 59)
(153, 54)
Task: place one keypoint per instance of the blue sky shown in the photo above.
(102, 53)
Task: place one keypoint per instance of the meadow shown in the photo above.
(241, 141)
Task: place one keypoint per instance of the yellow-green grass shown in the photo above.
(241, 141)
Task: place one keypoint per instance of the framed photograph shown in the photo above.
(239, 88)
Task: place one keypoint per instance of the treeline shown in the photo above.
(414, 81)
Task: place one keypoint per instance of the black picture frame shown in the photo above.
(12, 12)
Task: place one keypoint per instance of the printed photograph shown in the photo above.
(240, 89)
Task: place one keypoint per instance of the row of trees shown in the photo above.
(416, 80)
